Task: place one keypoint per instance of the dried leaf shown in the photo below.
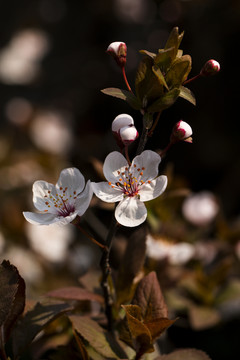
(149, 295)
(185, 354)
(12, 298)
(74, 293)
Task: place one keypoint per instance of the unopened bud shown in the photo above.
(120, 121)
(118, 50)
(128, 134)
(211, 67)
(181, 131)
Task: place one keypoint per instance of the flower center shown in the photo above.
(60, 202)
(128, 182)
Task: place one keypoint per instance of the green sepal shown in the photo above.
(164, 101)
(187, 94)
(125, 95)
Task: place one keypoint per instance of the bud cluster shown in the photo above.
(124, 130)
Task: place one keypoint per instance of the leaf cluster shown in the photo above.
(159, 78)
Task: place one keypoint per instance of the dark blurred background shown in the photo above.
(53, 64)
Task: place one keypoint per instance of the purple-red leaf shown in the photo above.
(12, 298)
(33, 322)
(74, 293)
(149, 297)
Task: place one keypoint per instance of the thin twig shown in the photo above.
(106, 270)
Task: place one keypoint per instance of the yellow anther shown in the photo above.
(109, 183)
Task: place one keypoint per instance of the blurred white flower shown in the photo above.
(19, 60)
(200, 208)
(22, 173)
(51, 242)
(175, 253)
(51, 132)
(26, 263)
(18, 110)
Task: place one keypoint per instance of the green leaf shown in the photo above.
(125, 95)
(164, 58)
(159, 75)
(12, 298)
(174, 41)
(97, 337)
(33, 322)
(148, 87)
(164, 101)
(187, 94)
(178, 71)
(148, 53)
(185, 354)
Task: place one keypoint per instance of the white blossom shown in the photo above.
(131, 185)
(61, 203)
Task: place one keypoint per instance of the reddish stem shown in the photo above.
(125, 79)
(192, 79)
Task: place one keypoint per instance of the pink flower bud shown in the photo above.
(181, 131)
(118, 50)
(128, 134)
(120, 121)
(211, 67)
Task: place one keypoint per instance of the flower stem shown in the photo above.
(76, 223)
(155, 124)
(143, 140)
(106, 271)
(192, 79)
(127, 155)
(125, 79)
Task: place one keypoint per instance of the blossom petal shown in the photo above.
(114, 164)
(105, 192)
(131, 212)
(72, 179)
(153, 189)
(148, 161)
(83, 200)
(43, 192)
(39, 219)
